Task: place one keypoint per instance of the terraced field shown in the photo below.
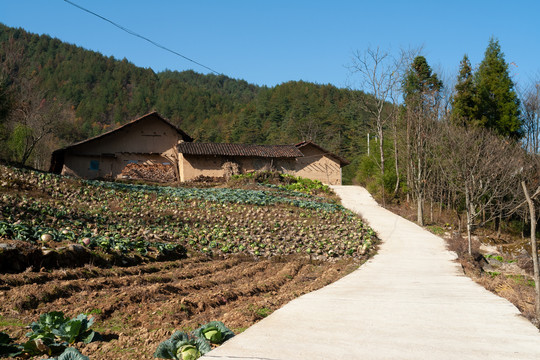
(145, 261)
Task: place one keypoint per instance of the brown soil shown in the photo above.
(140, 306)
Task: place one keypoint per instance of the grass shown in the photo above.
(522, 280)
(94, 312)
(239, 330)
(263, 312)
(10, 322)
(435, 229)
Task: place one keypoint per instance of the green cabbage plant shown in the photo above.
(215, 331)
(7, 347)
(56, 326)
(182, 346)
(71, 354)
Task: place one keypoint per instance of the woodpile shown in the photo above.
(149, 172)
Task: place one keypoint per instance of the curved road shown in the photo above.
(411, 301)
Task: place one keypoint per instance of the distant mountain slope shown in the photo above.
(102, 92)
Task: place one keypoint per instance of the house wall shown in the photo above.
(316, 165)
(142, 142)
(192, 166)
(110, 167)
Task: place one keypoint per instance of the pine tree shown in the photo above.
(464, 106)
(497, 101)
(422, 94)
(421, 81)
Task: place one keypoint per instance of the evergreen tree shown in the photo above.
(464, 105)
(420, 83)
(422, 94)
(497, 101)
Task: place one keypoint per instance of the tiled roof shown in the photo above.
(270, 151)
(343, 161)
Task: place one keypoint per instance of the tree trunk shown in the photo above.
(468, 205)
(396, 159)
(420, 212)
(534, 248)
(409, 158)
(381, 148)
(499, 226)
(431, 209)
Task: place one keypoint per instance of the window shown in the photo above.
(94, 165)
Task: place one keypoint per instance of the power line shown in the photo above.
(131, 32)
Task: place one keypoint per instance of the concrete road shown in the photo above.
(411, 301)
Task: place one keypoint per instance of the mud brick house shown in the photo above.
(146, 142)
(319, 164)
(152, 148)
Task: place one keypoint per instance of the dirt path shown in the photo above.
(411, 301)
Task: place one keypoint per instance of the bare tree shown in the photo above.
(32, 119)
(421, 89)
(534, 247)
(530, 104)
(482, 168)
(530, 179)
(380, 77)
(421, 126)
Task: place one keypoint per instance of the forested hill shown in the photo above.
(92, 93)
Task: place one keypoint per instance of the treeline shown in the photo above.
(418, 153)
(470, 150)
(53, 93)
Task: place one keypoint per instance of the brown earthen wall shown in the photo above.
(142, 142)
(317, 166)
(109, 167)
(193, 166)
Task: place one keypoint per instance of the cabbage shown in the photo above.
(182, 346)
(213, 335)
(215, 332)
(188, 352)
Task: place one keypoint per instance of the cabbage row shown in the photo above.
(51, 210)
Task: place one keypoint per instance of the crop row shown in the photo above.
(118, 217)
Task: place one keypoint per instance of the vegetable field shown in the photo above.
(143, 261)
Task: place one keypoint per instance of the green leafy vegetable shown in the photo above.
(7, 347)
(215, 331)
(53, 332)
(71, 354)
(188, 352)
(182, 346)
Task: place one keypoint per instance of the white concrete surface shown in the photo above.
(411, 301)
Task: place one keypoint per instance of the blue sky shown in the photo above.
(271, 42)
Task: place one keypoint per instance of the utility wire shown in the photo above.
(131, 32)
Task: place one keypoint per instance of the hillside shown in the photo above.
(147, 260)
(88, 93)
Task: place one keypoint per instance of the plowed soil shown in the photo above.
(138, 307)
